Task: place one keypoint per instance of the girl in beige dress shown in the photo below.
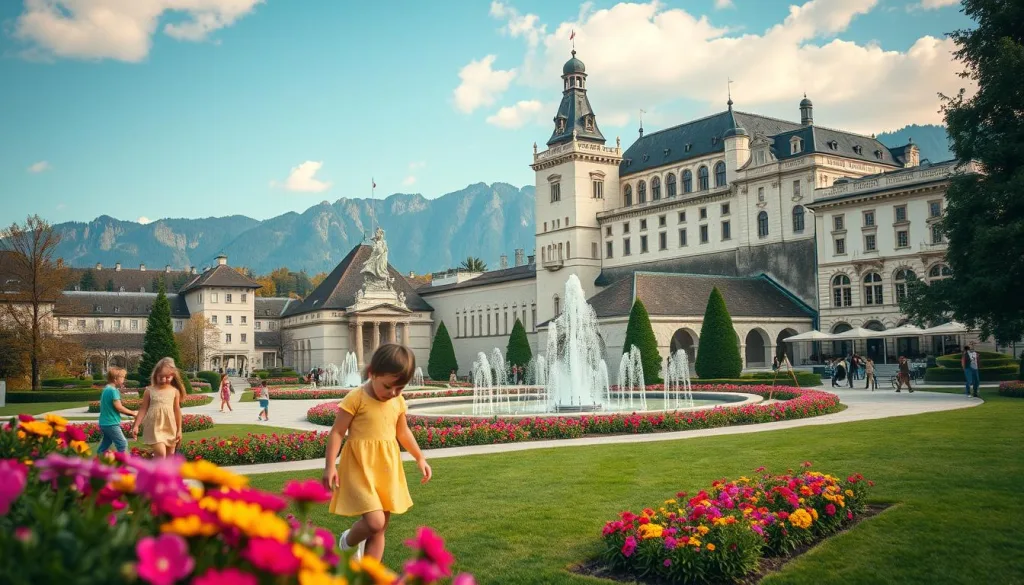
(160, 413)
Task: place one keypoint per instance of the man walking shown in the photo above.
(969, 361)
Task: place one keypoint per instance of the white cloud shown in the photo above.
(119, 29)
(61, 207)
(143, 220)
(652, 57)
(302, 179)
(481, 85)
(38, 167)
(936, 4)
(518, 25)
(409, 181)
(520, 114)
(723, 4)
(416, 165)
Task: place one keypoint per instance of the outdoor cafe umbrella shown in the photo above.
(951, 328)
(902, 331)
(810, 336)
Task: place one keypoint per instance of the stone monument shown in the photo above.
(378, 284)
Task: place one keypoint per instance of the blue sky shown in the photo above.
(153, 115)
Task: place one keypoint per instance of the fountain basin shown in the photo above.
(528, 402)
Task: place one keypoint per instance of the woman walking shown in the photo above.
(225, 393)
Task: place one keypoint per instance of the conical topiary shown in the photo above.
(518, 352)
(159, 340)
(718, 355)
(442, 355)
(640, 333)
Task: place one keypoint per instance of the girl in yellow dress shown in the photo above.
(370, 481)
(160, 412)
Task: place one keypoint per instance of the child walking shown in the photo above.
(370, 481)
(225, 393)
(111, 410)
(160, 413)
(263, 395)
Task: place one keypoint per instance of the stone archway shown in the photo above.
(756, 353)
(841, 348)
(783, 348)
(875, 348)
(686, 340)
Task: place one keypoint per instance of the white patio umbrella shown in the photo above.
(857, 333)
(810, 336)
(902, 331)
(951, 328)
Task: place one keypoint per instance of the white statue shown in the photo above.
(401, 299)
(377, 264)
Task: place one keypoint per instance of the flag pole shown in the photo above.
(373, 201)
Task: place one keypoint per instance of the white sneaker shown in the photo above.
(343, 545)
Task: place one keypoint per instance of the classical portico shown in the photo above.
(368, 331)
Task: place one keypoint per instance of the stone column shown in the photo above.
(359, 343)
(405, 334)
(375, 325)
(393, 331)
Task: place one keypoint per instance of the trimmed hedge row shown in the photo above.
(211, 378)
(993, 374)
(986, 359)
(41, 396)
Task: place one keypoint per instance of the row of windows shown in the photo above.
(271, 326)
(101, 325)
(902, 240)
(842, 289)
(597, 191)
(670, 184)
(227, 338)
(228, 320)
(228, 298)
(899, 216)
(492, 321)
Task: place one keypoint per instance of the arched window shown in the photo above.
(670, 185)
(720, 174)
(641, 193)
(627, 196)
(558, 306)
(762, 224)
(939, 272)
(560, 257)
(901, 278)
(873, 289)
(798, 218)
(687, 181)
(842, 294)
(543, 254)
(655, 189)
(702, 178)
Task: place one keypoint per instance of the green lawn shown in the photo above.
(954, 477)
(40, 407)
(219, 431)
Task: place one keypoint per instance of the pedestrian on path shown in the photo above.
(903, 377)
(263, 395)
(370, 480)
(225, 393)
(869, 375)
(160, 413)
(111, 410)
(969, 362)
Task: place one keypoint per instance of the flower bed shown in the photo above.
(1013, 389)
(65, 517)
(323, 414)
(721, 534)
(189, 423)
(255, 448)
(134, 403)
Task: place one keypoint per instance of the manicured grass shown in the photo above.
(40, 407)
(954, 476)
(219, 431)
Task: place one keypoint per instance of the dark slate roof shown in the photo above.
(687, 295)
(269, 307)
(338, 290)
(221, 275)
(132, 279)
(527, 271)
(112, 341)
(268, 339)
(113, 304)
(573, 108)
(706, 136)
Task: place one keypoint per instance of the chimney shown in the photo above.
(191, 269)
(503, 262)
(222, 260)
(530, 258)
(412, 274)
(167, 268)
(117, 267)
(99, 266)
(142, 267)
(205, 268)
(519, 257)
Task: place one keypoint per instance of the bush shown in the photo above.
(992, 374)
(1012, 389)
(719, 353)
(986, 359)
(98, 376)
(135, 403)
(802, 378)
(442, 355)
(131, 384)
(43, 396)
(189, 423)
(211, 378)
(640, 333)
(1020, 371)
(65, 382)
(518, 352)
(262, 374)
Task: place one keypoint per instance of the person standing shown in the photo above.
(263, 395)
(160, 413)
(111, 410)
(903, 377)
(869, 375)
(225, 393)
(969, 361)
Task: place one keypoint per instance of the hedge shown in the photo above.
(802, 378)
(993, 374)
(41, 396)
(987, 359)
(62, 382)
(719, 354)
(1012, 389)
(212, 378)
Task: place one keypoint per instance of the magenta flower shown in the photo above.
(309, 490)
(629, 547)
(424, 570)
(13, 476)
(464, 579)
(164, 559)
(432, 547)
(157, 477)
(272, 556)
(225, 577)
(249, 496)
(830, 509)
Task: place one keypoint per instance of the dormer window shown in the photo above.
(714, 140)
(858, 149)
(667, 150)
(645, 157)
(796, 145)
(687, 147)
(832, 144)
(589, 122)
(878, 154)
(95, 308)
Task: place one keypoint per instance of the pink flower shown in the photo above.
(424, 569)
(830, 509)
(13, 476)
(805, 464)
(432, 546)
(668, 562)
(464, 579)
(225, 577)
(629, 547)
(270, 555)
(164, 559)
(310, 490)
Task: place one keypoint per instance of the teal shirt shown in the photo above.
(109, 416)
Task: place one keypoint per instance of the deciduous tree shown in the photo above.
(196, 340)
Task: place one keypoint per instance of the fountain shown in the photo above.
(330, 376)
(678, 390)
(417, 377)
(483, 386)
(575, 382)
(349, 376)
(631, 380)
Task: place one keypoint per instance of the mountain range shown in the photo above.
(424, 235)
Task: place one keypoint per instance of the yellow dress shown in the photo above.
(371, 475)
(159, 426)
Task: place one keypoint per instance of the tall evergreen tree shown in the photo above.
(518, 352)
(640, 333)
(442, 355)
(984, 215)
(88, 280)
(719, 353)
(159, 340)
(110, 285)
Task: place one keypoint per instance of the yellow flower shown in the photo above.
(59, 423)
(670, 502)
(651, 530)
(748, 511)
(742, 479)
(196, 491)
(694, 541)
(189, 526)
(310, 561)
(36, 427)
(814, 513)
(312, 578)
(21, 435)
(380, 574)
(800, 518)
(720, 521)
(704, 529)
(81, 447)
(209, 473)
(711, 546)
(849, 493)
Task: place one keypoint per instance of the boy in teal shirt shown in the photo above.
(110, 412)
